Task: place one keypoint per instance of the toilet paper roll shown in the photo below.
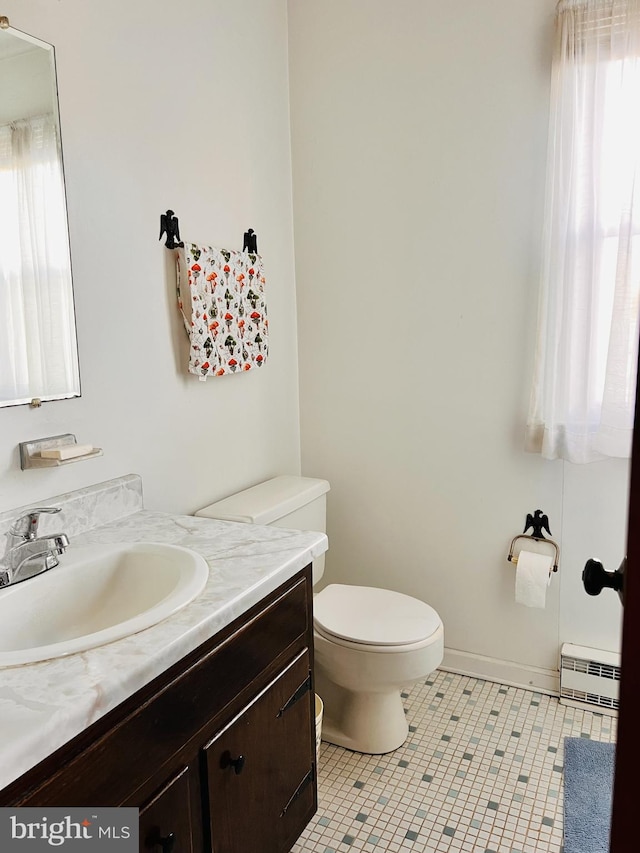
(532, 578)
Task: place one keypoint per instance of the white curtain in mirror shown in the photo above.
(36, 300)
(582, 403)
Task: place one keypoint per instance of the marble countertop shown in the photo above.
(43, 705)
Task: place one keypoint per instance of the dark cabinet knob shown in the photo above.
(236, 763)
(167, 843)
(595, 578)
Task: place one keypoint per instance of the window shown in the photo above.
(583, 395)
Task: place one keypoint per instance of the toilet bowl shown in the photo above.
(369, 642)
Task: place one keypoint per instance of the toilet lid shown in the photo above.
(377, 617)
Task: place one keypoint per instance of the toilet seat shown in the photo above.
(374, 619)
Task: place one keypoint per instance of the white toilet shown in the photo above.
(369, 642)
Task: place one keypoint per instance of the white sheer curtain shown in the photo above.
(582, 402)
(38, 353)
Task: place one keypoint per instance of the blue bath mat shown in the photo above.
(588, 790)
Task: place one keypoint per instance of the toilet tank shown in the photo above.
(299, 503)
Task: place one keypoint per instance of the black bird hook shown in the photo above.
(539, 522)
(250, 243)
(169, 226)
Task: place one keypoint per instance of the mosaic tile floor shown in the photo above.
(481, 771)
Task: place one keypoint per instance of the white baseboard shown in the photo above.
(502, 671)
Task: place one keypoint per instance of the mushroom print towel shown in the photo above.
(221, 297)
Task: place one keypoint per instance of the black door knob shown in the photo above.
(595, 578)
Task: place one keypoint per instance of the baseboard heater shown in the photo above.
(589, 677)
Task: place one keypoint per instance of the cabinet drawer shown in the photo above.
(260, 768)
(207, 685)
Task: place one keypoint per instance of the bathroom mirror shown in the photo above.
(38, 348)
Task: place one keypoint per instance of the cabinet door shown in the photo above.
(167, 822)
(261, 768)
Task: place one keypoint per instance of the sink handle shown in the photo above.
(25, 527)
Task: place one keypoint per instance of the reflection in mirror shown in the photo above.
(38, 350)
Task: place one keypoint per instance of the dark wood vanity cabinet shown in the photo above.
(218, 753)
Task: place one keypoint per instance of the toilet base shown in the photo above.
(373, 723)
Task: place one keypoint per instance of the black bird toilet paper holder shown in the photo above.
(537, 522)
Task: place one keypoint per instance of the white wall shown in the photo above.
(419, 141)
(181, 106)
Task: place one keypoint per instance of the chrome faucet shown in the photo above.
(28, 554)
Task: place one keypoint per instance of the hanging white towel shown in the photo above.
(226, 313)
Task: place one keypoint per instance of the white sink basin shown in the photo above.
(97, 594)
